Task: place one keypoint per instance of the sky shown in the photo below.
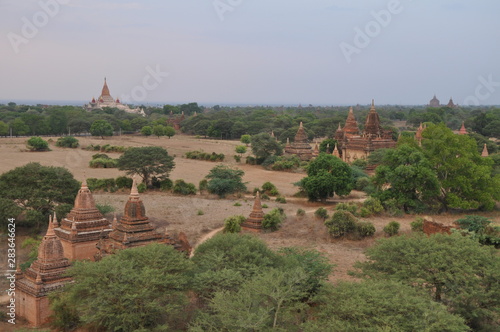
(252, 52)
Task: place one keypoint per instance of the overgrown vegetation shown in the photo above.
(200, 155)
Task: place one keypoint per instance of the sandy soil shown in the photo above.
(201, 216)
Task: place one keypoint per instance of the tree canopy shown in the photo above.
(36, 190)
(101, 128)
(327, 175)
(455, 270)
(263, 146)
(224, 180)
(147, 162)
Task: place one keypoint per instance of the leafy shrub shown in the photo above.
(200, 155)
(265, 197)
(101, 184)
(301, 212)
(473, 223)
(67, 142)
(342, 223)
(251, 160)
(286, 163)
(105, 208)
(233, 224)
(321, 213)
(141, 187)
(360, 163)
(183, 188)
(105, 148)
(350, 207)
(392, 207)
(281, 199)
(200, 213)
(268, 186)
(417, 225)
(237, 158)
(364, 212)
(373, 205)
(273, 219)
(365, 229)
(362, 183)
(37, 144)
(123, 182)
(203, 185)
(166, 184)
(264, 206)
(103, 163)
(392, 228)
(237, 204)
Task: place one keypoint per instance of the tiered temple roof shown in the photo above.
(254, 220)
(300, 146)
(82, 227)
(373, 129)
(46, 273)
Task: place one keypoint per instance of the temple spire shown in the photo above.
(134, 192)
(485, 151)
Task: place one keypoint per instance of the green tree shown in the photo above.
(147, 162)
(137, 289)
(225, 261)
(159, 130)
(246, 139)
(413, 181)
(35, 191)
(464, 176)
(327, 175)
(379, 305)
(37, 144)
(4, 129)
(101, 128)
(241, 149)
(19, 127)
(67, 142)
(456, 270)
(169, 131)
(224, 180)
(272, 220)
(263, 146)
(146, 130)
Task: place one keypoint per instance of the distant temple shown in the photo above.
(434, 102)
(300, 147)
(353, 144)
(105, 100)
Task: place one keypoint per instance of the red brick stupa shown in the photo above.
(300, 146)
(254, 221)
(82, 228)
(45, 275)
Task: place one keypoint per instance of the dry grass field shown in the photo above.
(199, 215)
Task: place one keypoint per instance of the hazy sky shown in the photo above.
(324, 52)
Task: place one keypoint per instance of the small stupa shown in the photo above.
(300, 147)
(254, 220)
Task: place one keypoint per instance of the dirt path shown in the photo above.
(206, 237)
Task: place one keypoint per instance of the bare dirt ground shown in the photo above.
(200, 215)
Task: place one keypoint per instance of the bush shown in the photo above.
(281, 199)
(166, 184)
(417, 225)
(286, 163)
(364, 212)
(342, 223)
(392, 207)
(392, 228)
(268, 186)
(102, 184)
(200, 213)
(360, 163)
(141, 187)
(365, 229)
(237, 158)
(362, 183)
(273, 219)
(350, 207)
(265, 197)
(233, 224)
(123, 182)
(37, 144)
(203, 185)
(200, 155)
(67, 142)
(373, 205)
(301, 212)
(103, 163)
(473, 223)
(105, 208)
(183, 188)
(264, 206)
(321, 213)
(237, 204)
(251, 160)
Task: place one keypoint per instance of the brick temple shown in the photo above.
(354, 144)
(254, 221)
(300, 146)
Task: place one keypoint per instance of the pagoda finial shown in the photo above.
(50, 229)
(54, 220)
(134, 192)
(115, 221)
(301, 126)
(373, 102)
